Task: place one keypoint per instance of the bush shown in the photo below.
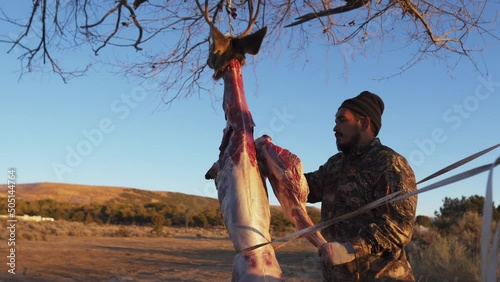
(451, 254)
(122, 232)
(424, 221)
(445, 259)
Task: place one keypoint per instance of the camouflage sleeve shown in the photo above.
(394, 221)
(314, 181)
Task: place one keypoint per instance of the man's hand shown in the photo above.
(336, 253)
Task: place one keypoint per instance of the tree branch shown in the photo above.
(349, 6)
(177, 56)
(137, 24)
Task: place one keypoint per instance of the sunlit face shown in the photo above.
(347, 129)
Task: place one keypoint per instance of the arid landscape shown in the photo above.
(184, 257)
(96, 233)
(68, 249)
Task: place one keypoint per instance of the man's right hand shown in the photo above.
(336, 253)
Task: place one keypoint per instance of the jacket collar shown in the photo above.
(358, 150)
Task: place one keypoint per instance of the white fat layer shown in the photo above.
(244, 203)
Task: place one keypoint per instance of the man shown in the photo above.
(369, 246)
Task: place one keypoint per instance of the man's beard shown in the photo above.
(351, 143)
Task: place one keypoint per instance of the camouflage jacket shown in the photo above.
(347, 182)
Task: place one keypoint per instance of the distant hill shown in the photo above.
(60, 192)
(87, 194)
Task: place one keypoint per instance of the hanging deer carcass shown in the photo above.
(241, 191)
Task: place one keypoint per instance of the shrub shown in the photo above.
(122, 232)
(451, 254)
(445, 259)
(424, 221)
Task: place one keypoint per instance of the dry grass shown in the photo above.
(180, 258)
(434, 256)
(70, 251)
(36, 231)
(450, 256)
(446, 259)
(40, 230)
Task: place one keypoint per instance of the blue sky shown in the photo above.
(103, 129)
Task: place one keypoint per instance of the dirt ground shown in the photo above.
(179, 258)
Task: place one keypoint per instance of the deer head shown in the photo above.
(225, 48)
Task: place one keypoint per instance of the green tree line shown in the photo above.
(207, 214)
(454, 209)
(148, 214)
(119, 213)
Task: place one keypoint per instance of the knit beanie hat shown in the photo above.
(369, 105)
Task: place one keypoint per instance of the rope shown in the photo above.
(459, 163)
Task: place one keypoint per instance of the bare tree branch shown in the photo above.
(168, 40)
(350, 5)
(117, 7)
